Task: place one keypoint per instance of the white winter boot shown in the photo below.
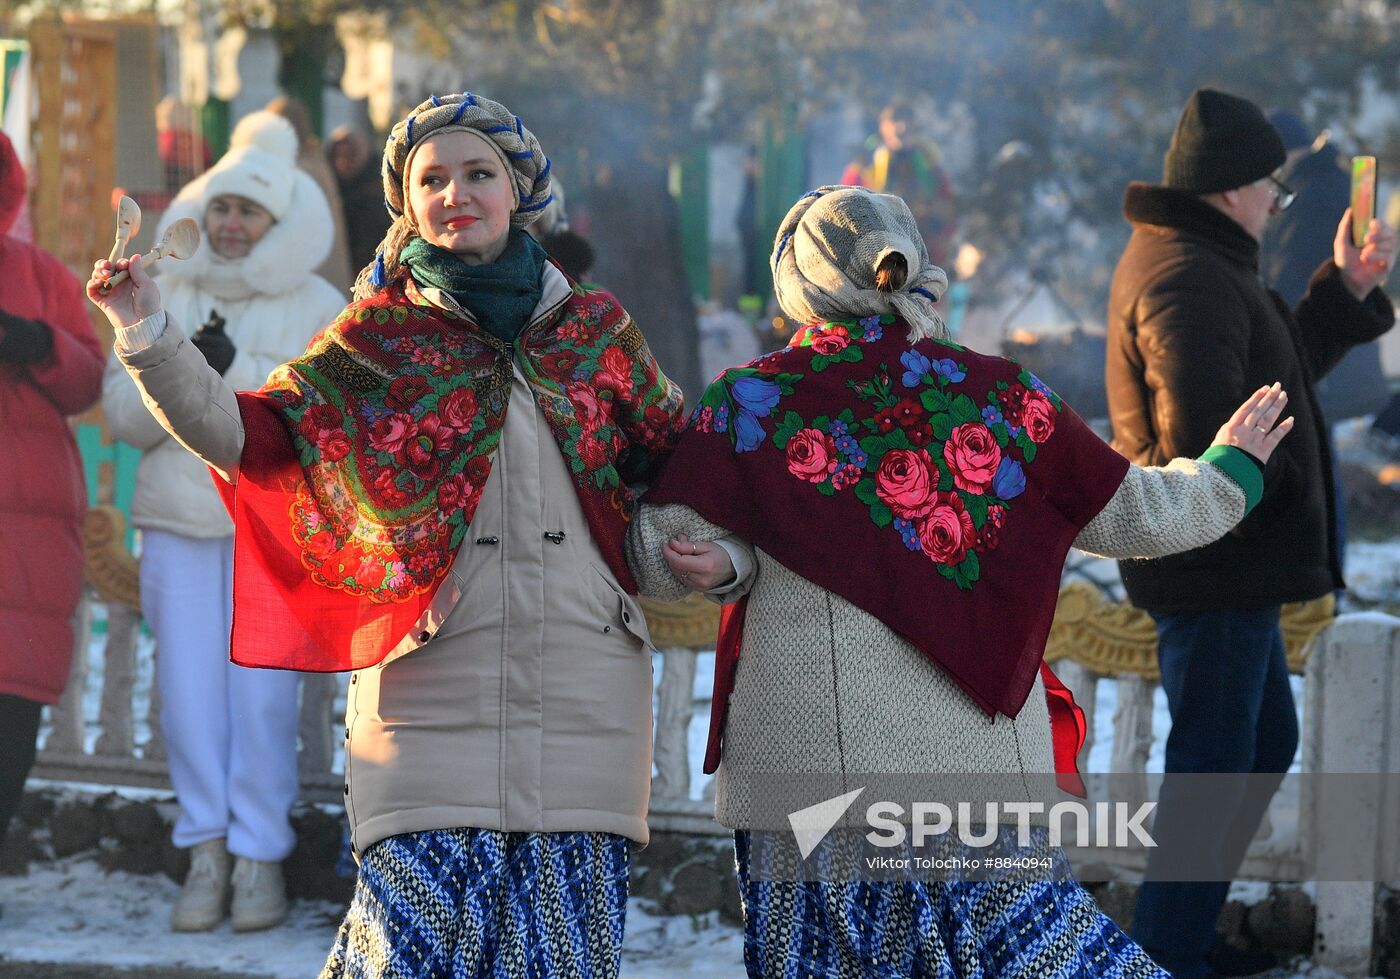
(259, 895)
(204, 897)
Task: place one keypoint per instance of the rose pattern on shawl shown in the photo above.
(458, 409)
(320, 420)
(593, 452)
(838, 343)
(389, 435)
(321, 425)
(423, 451)
(905, 483)
(386, 486)
(335, 446)
(614, 415)
(396, 414)
(947, 532)
(936, 464)
(830, 339)
(972, 455)
(614, 372)
(1038, 416)
(454, 491)
(812, 455)
(588, 407)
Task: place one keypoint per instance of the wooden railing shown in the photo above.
(1350, 666)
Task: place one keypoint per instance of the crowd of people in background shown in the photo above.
(389, 426)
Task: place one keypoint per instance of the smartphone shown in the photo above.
(1363, 197)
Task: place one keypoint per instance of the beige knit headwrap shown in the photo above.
(528, 165)
(828, 248)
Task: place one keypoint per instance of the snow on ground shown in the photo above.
(71, 912)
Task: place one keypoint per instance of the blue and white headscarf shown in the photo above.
(518, 148)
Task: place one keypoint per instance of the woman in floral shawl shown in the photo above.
(435, 496)
(895, 512)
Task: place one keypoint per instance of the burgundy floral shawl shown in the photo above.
(936, 488)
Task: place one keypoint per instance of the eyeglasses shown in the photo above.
(1284, 195)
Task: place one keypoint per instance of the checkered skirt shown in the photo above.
(482, 904)
(1036, 929)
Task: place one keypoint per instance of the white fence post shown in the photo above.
(116, 717)
(1132, 733)
(317, 752)
(66, 717)
(1353, 725)
(675, 703)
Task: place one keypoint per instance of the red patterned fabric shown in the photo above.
(364, 461)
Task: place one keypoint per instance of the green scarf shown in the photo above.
(501, 295)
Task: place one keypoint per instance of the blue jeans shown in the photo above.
(1225, 674)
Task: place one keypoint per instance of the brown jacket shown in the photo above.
(1192, 331)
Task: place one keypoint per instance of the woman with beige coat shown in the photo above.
(435, 496)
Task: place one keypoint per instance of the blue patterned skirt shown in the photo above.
(482, 904)
(1039, 929)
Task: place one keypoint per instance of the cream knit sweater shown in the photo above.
(823, 687)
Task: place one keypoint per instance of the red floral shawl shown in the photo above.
(936, 488)
(365, 458)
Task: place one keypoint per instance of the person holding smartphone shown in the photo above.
(1191, 330)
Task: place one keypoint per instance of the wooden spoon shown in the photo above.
(128, 223)
(180, 241)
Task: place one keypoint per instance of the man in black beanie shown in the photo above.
(1191, 331)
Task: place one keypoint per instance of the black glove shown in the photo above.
(23, 341)
(211, 340)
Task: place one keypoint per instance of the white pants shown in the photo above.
(230, 732)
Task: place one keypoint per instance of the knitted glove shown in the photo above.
(211, 340)
(23, 341)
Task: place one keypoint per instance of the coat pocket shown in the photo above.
(615, 608)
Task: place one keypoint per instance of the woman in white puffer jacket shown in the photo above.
(253, 302)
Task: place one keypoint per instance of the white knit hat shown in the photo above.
(261, 163)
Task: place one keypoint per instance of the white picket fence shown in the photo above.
(1351, 723)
